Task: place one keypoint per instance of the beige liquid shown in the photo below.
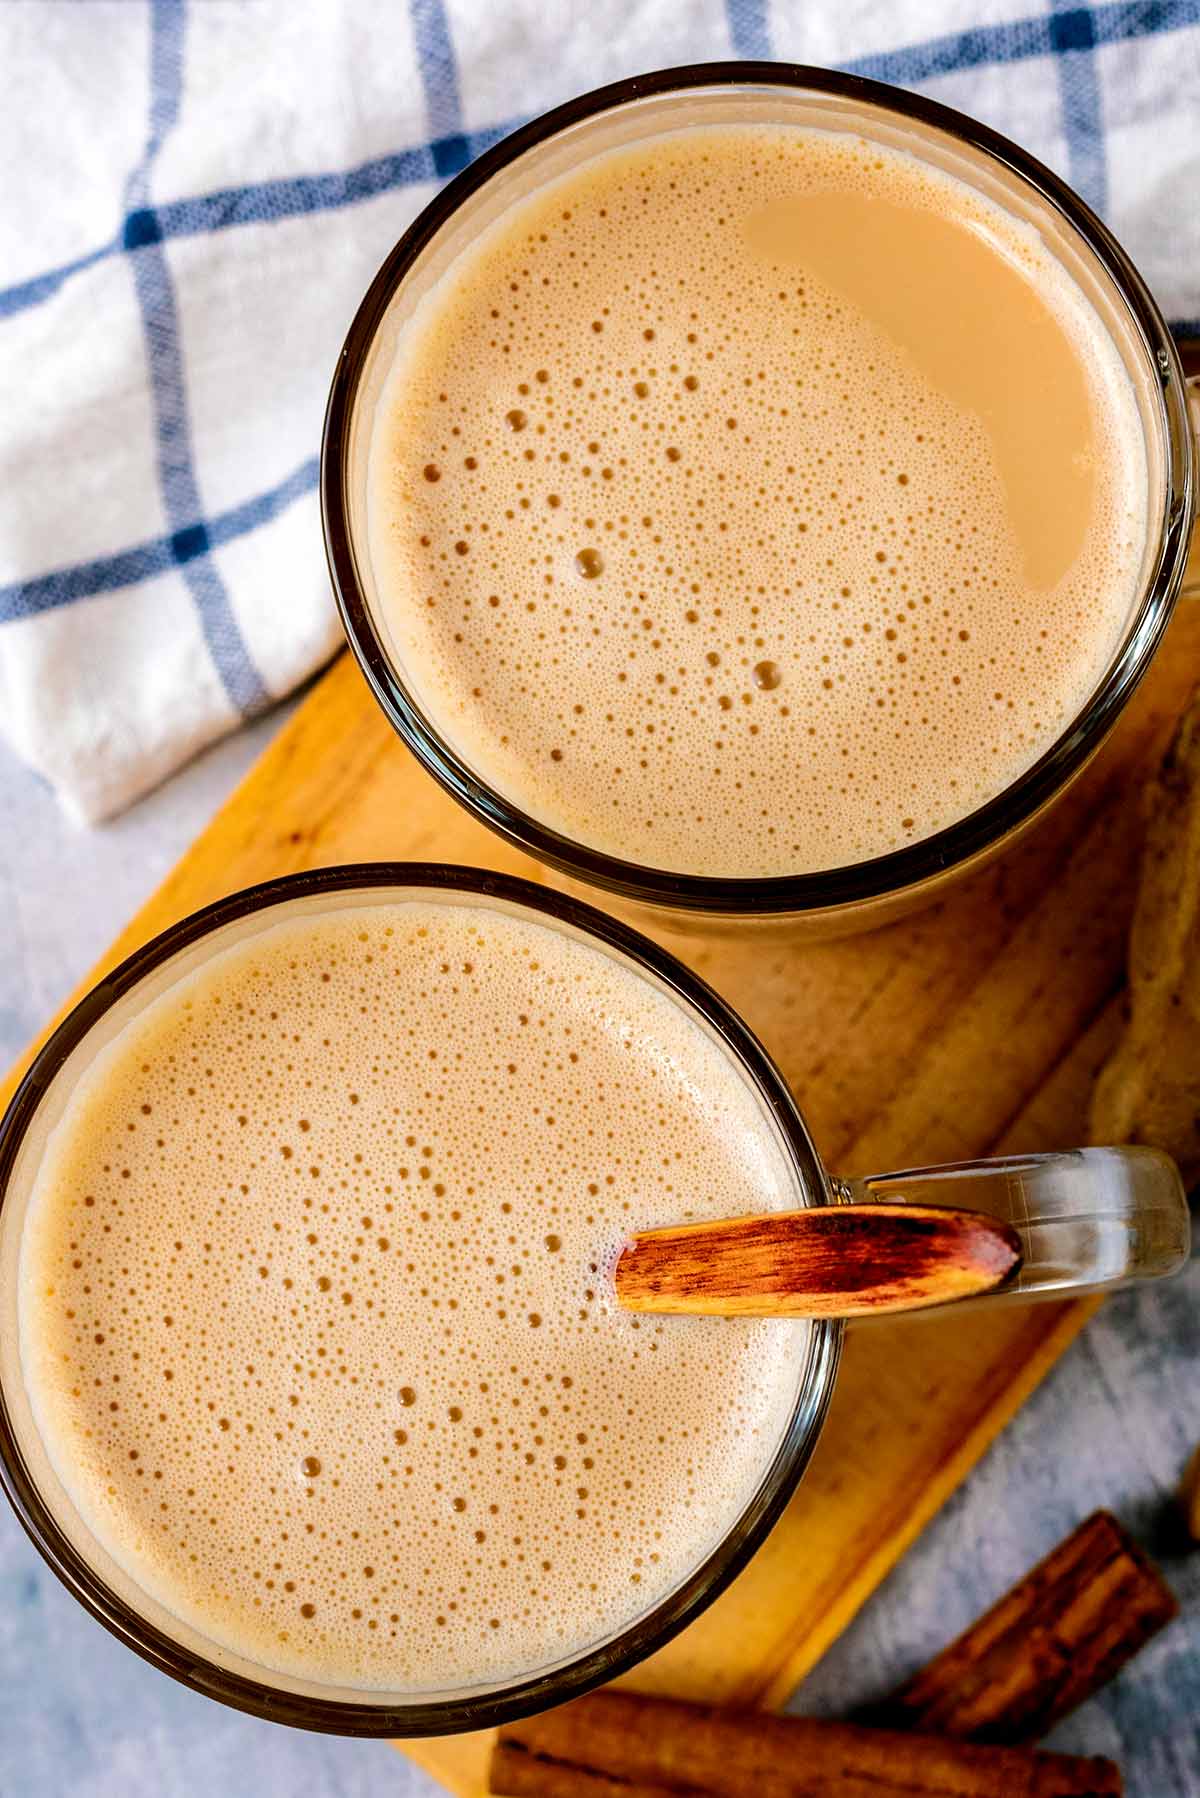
(315, 1303)
(754, 500)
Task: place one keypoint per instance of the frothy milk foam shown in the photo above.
(754, 500)
(315, 1301)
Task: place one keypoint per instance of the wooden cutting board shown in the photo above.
(975, 1025)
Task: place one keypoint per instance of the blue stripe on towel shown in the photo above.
(164, 357)
(26, 599)
(1073, 36)
(749, 30)
(439, 77)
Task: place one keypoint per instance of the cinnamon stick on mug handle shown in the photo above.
(1079, 1220)
(824, 1261)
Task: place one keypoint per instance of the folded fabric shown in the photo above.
(196, 198)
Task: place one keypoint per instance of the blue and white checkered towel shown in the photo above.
(196, 195)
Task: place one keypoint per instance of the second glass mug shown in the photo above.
(866, 893)
(1087, 1220)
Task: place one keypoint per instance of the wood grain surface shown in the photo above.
(976, 1025)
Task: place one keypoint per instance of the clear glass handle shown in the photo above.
(1191, 578)
(1088, 1219)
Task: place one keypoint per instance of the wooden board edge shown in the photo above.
(1020, 1381)
(453, 1761)
(159, 902)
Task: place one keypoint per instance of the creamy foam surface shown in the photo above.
(316, 1311)
(754, 500)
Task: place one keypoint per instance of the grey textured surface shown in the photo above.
(1112, 1425)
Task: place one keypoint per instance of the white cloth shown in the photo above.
(195, 198)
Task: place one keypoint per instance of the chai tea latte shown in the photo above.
(316, 1314)
(754, 500)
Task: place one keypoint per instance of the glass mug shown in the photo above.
(1087, 1220)
(867, 892)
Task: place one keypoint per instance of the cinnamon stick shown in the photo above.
(818, 1261)
(517, 1772)
(619, 1745)
(1189, 1497)
(1046, 1646)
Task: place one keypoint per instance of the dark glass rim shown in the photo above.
(855, 883)
(436, 1715)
